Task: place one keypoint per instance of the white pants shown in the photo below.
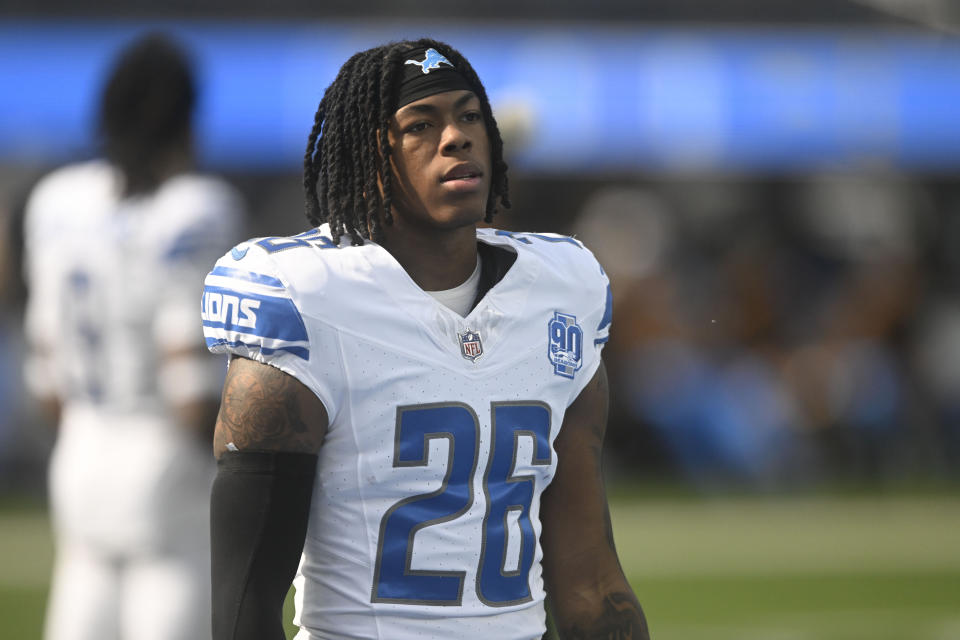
(130, 507)
(97, 596)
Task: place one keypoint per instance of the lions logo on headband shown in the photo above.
(418, 83)
(433, 61)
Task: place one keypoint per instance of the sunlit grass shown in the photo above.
(825, 568)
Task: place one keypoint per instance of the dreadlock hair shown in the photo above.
(145, 111)
(346, 169)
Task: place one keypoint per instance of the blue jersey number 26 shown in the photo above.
(508, 496)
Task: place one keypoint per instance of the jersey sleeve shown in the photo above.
(248, 310)
(598, 300)
(602, 334)
(42, 269)
(580, 329)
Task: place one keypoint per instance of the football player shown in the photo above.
(414, 408)
(116, 251)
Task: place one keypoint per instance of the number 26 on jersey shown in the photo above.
(508, 497)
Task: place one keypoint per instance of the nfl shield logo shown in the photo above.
(470, 346)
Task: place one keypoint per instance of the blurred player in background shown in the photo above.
(116, 250)
(451, 374)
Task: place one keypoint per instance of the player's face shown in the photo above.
(441, 158)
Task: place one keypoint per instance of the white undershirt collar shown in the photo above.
(460, 298)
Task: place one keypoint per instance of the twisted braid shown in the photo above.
(311, 170)
(371, 167)
(347, 174)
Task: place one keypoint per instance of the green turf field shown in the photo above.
(795, 569)
(735, 568)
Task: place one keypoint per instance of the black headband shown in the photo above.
(426, 72)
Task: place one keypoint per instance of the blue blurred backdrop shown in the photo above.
(593, 99)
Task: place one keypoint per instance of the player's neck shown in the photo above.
(437, 261)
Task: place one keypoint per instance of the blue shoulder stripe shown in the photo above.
(252, 314)
(608, 312)
(249, 276)
(300, 352)
(190, 243)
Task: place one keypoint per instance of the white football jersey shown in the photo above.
(113, 284)
(114, 281)
(425, 513)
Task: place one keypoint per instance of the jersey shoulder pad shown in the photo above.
(196, 217)
(562, 254)
(248, 308)
(65, 198)
(569, 261)
(198, 196)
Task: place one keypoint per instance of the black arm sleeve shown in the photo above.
(259, 509)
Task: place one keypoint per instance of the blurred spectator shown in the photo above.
(935, 357)
(847, 366)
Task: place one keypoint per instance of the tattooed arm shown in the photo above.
(589, 595)
(268, 433)
(266, 409)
